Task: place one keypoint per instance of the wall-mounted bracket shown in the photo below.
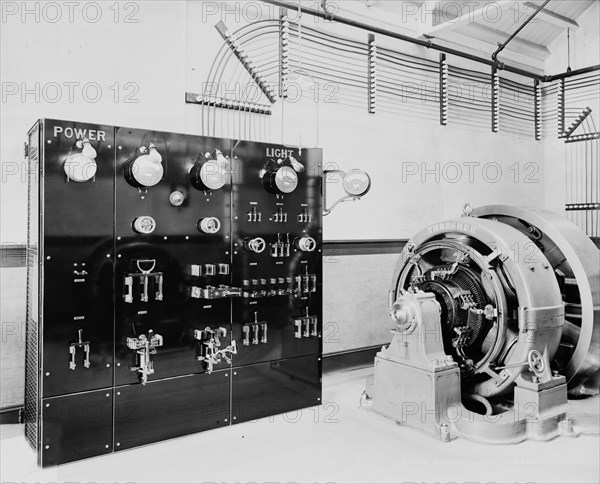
(284, 52)
(575, 124)
(233, 104)
(372, 71)
(495, 100)
(582, 137)
(356, 183)
(560, 100)
(537, 106)
(444, 93)
(239, 51)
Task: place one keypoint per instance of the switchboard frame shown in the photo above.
(98, 285)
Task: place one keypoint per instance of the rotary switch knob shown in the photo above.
(81, 166)
(210, 174)
(306, 244)
(280, 180)
(256, 245)
(146, 169)
(144, 225)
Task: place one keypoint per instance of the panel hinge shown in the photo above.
(26, 150)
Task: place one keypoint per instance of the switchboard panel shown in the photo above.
(172, 280)
(277, 252)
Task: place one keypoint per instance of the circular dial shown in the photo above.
(146, 170)
(209, 225)
(210, 174)
(280, 180)
(144, 225)
(80, 168)
(177, 198)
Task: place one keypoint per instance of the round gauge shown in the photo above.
(177, 198)
(280, 180)
(210, 174)
(209, 225)
(144, 225)
(145, 170)
(357, 183)
(80, 168)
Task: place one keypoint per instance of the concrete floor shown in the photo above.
(335, 443)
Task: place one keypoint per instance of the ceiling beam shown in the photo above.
(493, 36)
(468, 16)
(553, 18)
(472, 44)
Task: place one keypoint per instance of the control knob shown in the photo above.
(211, 173)
(81, 166)
(256, 245)
(306, 244)
(280, 180)
(146, 169)
(144, 225)
(209, 225)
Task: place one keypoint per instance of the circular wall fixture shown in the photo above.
(356, 183)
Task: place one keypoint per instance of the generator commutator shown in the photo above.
(174, 285)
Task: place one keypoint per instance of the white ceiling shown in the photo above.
(476, 26)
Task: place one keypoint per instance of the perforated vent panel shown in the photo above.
(32, 391)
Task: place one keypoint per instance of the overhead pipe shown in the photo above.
(576, 72)
(427, 43)
(502, 46)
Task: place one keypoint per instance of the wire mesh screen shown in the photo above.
(31, 343)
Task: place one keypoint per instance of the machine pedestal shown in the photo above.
(421, 399)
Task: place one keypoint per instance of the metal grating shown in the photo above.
(32, 390)
(31, 384)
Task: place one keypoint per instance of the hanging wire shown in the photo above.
(328, 58)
